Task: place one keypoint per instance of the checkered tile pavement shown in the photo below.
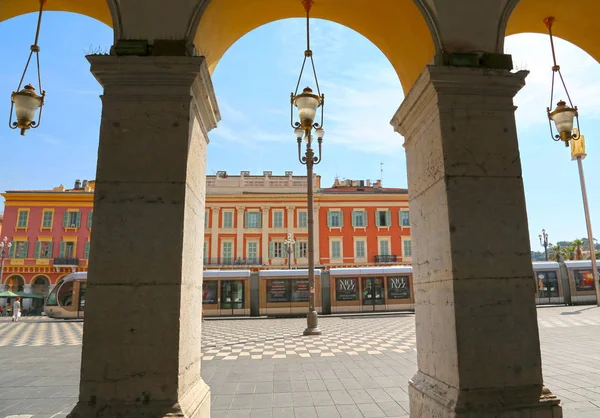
(39, 331)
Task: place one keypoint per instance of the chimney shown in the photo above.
(77, 185)
(84, 184)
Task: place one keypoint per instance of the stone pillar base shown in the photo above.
(430, 398)
(194, 404)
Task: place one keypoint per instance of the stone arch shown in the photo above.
(404, 36)
(15, 283)
(105, 11)
(573, 24)
(40, 279)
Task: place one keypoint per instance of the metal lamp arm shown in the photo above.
(301, 158)
(318, 158)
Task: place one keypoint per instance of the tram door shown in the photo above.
(81, 302)
(373, 294)
(232, 297)
(547, 286)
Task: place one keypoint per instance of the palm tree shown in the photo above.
(555, 252)
(569, 252)
(578, 246)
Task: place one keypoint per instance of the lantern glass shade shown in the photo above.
(320, 133)
(307, 104)
(27, 103)
(299, 132)
(563, 117)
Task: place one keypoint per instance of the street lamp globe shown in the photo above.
(307, 103)
(563, 117)
(299, 132)
(27, 103)
(320, 133)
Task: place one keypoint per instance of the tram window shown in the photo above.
(209, 292)
(82, 291)
(65, 294)
(398, 287)
(346, 288)
(300, 290)
(51, 301)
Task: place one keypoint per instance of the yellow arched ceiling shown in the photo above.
(97, 9)
(575, 21)
(396, 27)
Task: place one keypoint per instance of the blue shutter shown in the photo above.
(271, 249)
(341, 218)
(78, 220)
(66, 219)
(36, 253)
(354, 213)
(365, 218)
(388, 218)
(90, 214)
(400, 217)
(329, 218)
(62, 248)
(377, 223)
(86, 254)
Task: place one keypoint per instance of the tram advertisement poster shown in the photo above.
(584, 280)
(300, 290)
(398, 287)
(278, 291)
(346, 289)
(209, 292)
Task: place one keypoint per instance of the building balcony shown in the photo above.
(230, 261)
(66, 261)
(381, 259)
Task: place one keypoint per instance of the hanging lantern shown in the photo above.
(26, 102)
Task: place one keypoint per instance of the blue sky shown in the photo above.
(253, 82)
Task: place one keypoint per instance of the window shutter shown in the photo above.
(271, 249)
(36, 254)
(258, 220)
(91, 213)
(26, 249)
(341, 218)
(66, 219)
(400, 217)
(246, 220)
(62, 248)
(377, 222)
(297, 248)
(388, 218)
(329, 218)
(354, 219)
(11, 252)
(365, 218)
(86, 254)
(78, 220)
(50, 245)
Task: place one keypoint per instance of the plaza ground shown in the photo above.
(360, 367)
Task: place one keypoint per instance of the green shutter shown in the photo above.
(377, 223)
(297, 249)
(400, 217)
(246, 219)
(66, 219)
(50, 245)
(26, 249)
(36, 254)
(365, 218)
(388, 218)
(86, 254)
(11, 252)
(354, 219)
(259, 220)
(78, 220)
(329, 218)
(62, 248)
(341, 218)
(91, 213)
(271, 249)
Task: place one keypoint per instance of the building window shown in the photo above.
(227, 252)
(359, 218)
(360, 248)
(335, 219)
(86, 253)
(67, 249)
(336, 249)
(19, 249)
(383, 218)
(407, 248)
(205, 252)
(47, 217)
(43, 249)
(404, 218)
(252, 252)
(276, 249)
(23, 218)
(384, 247)
(253, 219)
(72, 219)
(227, 219)
(302, 219)
(277, 219)
(206, 213)
(90, 215)
(301, 249)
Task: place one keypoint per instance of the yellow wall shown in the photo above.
(98, 9)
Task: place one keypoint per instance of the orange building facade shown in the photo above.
(248, 222)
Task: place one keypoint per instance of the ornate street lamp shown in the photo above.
(544, 242)
(308, 104)
(26, 102)
(289, 248)
(563, 115)
(4, 247)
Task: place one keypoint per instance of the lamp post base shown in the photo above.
(312, 319)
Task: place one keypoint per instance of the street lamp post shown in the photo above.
(4, 247)
(289, 244)
(307, 104)
(544, 242)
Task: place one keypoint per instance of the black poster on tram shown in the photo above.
(278, 291)
(398, 287)
(346, 289)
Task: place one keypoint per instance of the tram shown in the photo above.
(272, 292)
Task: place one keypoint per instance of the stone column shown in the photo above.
(240, 233)
(264, 241)
(142, 330)
(476, 321)
(214, 236)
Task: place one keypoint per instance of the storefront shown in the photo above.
(371, 289)
(286, 292)
(226, 292)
